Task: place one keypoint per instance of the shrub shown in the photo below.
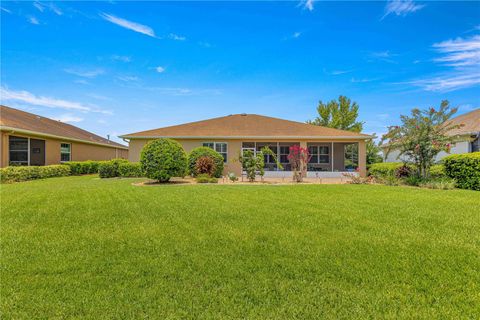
(232, 176)
(109, 169)
(205, 165)
(130, 170)
(17, 173)
(443, 184)
(162, 159)
(205, 178)
(356, 179)
(205, 152)
(403, 172)
(437, 171)
(413, 180)
(465, 169)
(83, 167)
(389, 180)
(384, 169)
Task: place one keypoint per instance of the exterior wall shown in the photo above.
(235, 146)
(3, 149)
(79, 151)
(458, 148)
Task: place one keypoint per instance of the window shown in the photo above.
(476, 145)
(351, 156)
(18, 150)
(320, 154)
(284, 152)
(65, 152)
(220, 147)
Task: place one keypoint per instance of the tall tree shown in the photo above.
(341, 114)
(422, 136)
(373, 151)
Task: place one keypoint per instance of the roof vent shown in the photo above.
(243, 114)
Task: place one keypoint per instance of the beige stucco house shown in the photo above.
(468, 138)
(333, 151)
(29, 139)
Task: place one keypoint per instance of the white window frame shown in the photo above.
(318, 154)
(225, 159)
(69, 153)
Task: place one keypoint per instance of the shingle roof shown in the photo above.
(11, 118)
(246, 125)
(470, 121)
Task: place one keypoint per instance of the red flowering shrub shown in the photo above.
(299, 158)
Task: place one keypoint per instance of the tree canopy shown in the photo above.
(422, 136)
(341, 114)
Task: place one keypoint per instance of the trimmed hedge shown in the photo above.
(83, 167)
(199, 152)
(18, 174)
(465, 169)
(437, 171)
(162, 159)
(109, 169)
(130, 170)
(384, 169)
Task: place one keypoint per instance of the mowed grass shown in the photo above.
(81, 247)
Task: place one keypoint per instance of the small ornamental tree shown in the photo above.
(422, 136)
(299, 158)
(162, 159)
(253, 163)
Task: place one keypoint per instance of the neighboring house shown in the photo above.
(468, 136)
(29, 139)
(333, 151)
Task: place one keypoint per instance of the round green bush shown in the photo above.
(162, 159)
(199, 152)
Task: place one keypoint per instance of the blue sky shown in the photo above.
(120, 67)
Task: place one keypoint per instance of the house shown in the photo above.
(468, 137)
(333, 151)
(29, 139)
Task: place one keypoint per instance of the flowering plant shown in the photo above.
(422, 136)
(299, 158)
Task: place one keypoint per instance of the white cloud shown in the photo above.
(85, 73)
(81, 81)
(6, 10)
(68, 118)
(459, 52)
(176, 37)
(463, 56)
(99, 97)
(39, 6)
(307, 4)
(339, 72)
(364, 80)
(401, 7)
(449, 82)
(121, 58)
(49, 102)
(137, 27)
(128, 78)
(56, 10)
(296, 34)
(160, 69)
(33, 20)
(204, 44)
(385, 56)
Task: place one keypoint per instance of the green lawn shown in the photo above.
(81, 247)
